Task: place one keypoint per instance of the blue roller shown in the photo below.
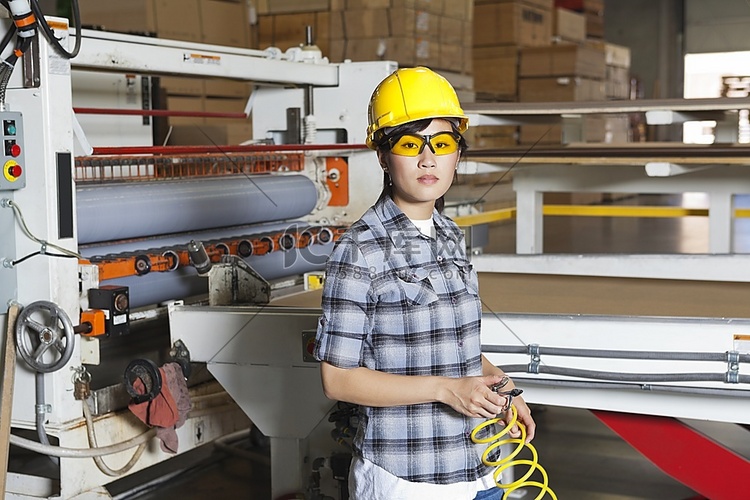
(141, 209)
(142, 245)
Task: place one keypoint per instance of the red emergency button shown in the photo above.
(15, 171)
(15, 150)
(12, 170)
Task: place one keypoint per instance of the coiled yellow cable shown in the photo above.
(502, 464)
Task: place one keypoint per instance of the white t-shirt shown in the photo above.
(426, 226)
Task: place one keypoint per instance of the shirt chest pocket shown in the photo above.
(415, 288)
(468, 276)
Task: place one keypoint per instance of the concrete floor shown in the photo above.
(584, 459)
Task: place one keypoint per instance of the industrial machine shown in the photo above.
(102, 231)
(119, 256)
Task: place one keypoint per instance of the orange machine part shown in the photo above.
(119, 267)
(95, 317)
(338, 181)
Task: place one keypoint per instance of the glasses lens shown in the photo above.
(408, 145)
(443, 143)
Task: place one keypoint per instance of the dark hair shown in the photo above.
(383, 147)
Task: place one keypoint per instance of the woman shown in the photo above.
(399, 333)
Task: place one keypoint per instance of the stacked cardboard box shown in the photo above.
(617, 86)
(501, 29)
(492, 137)
(432, 33)
(617, 81)
(563, 72)
(205, 21)
(215, 22)
(568, 26)
(288, 30)
(266, 7)
(576, 68)
(593, 11)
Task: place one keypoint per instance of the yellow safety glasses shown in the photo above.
(442, 143)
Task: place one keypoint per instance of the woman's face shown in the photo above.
(422, 179)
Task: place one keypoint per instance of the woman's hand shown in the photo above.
(472, 396)
(524, 417)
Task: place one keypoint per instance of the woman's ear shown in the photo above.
(382, 160)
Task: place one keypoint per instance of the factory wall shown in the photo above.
(653, 31)
(712, 26)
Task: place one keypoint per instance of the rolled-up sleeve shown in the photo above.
(346, 320)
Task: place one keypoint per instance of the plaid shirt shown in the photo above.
(397, 301)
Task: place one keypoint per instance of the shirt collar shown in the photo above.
(396, 223)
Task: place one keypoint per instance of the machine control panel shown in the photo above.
(12, 160)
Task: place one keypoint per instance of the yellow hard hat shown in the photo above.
(411, 94)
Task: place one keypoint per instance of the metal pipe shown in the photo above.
(41, 412)
(178, 150)
(634, 386)
(622, 376)
(156, 112)
(609, 353)
(693, 152)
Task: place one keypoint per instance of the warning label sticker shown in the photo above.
(742, 343)
(201, 59)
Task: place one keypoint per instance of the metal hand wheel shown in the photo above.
(44, 336)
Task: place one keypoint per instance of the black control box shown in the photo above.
(115, 302)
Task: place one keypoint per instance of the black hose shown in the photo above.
(8, 37)
(50, 35)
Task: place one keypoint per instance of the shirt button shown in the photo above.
(460, 343)
(454, 300)
(440, 258)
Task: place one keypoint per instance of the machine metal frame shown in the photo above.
(619, 390)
